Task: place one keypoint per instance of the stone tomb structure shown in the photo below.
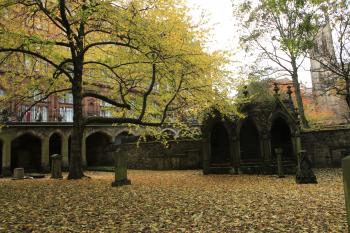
(233, 145)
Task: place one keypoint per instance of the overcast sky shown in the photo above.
(225, 36)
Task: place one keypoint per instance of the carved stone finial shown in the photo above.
(245, 92)
(276, 88)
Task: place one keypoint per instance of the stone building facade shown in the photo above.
(29, 145)
(323, 80)
(245, 145)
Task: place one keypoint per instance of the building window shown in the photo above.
(38, 114)
(66, 114)
(104, 112)
(67, 98)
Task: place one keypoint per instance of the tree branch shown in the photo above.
(105, 99)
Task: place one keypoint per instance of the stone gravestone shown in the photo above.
(346, 180)
(56, 166)
(121, 167)
(280, 171)
(305, 175)
(120, 155)
(18, 173)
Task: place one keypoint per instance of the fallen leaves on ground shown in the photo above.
(174, 201)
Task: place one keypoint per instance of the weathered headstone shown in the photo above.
(120, 157)
(18, 173)
(56, 166)
(280, 171)
(346, 180)
(305, 175)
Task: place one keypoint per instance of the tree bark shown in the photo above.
(76, 165)
(298, 95)
(347, 91)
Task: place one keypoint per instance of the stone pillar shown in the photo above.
(205, 156)
(64, 152)
(268, 150)
(297, 146)
(83, 151)
(6, 157)
(279, 152)
(346, 180)
(236, 155)
(45, 148)
(121, 167)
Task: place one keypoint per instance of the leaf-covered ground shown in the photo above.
(174, 201)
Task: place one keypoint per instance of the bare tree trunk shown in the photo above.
(298, 96)
(75, 163)
(347, 91)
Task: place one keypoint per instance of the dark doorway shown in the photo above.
(26, 153)
(54, 145)
(249, 142)
(1, 145)
(96, 154)
(281, 138)
(220, 146)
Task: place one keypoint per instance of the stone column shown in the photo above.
(83, 151)
(64, 151)
(346, 180)
(296, 146)
(45, 150)
(6, 157)
(267, 147)
(205, 156)
(279, 152)
(236, 154)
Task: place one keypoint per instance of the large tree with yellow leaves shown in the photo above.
(146, 54)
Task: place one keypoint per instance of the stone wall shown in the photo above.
(181, 154)
(326, 148)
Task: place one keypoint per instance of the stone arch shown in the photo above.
(249, 137)
(26, 152)
(57, 131)
(55, 144)
(281, 137)
(28, 132)
(219, 145)
(96, 145)
(171, 133)
(287, 118)
(105, 132)
(123, 133)
(126, 132)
